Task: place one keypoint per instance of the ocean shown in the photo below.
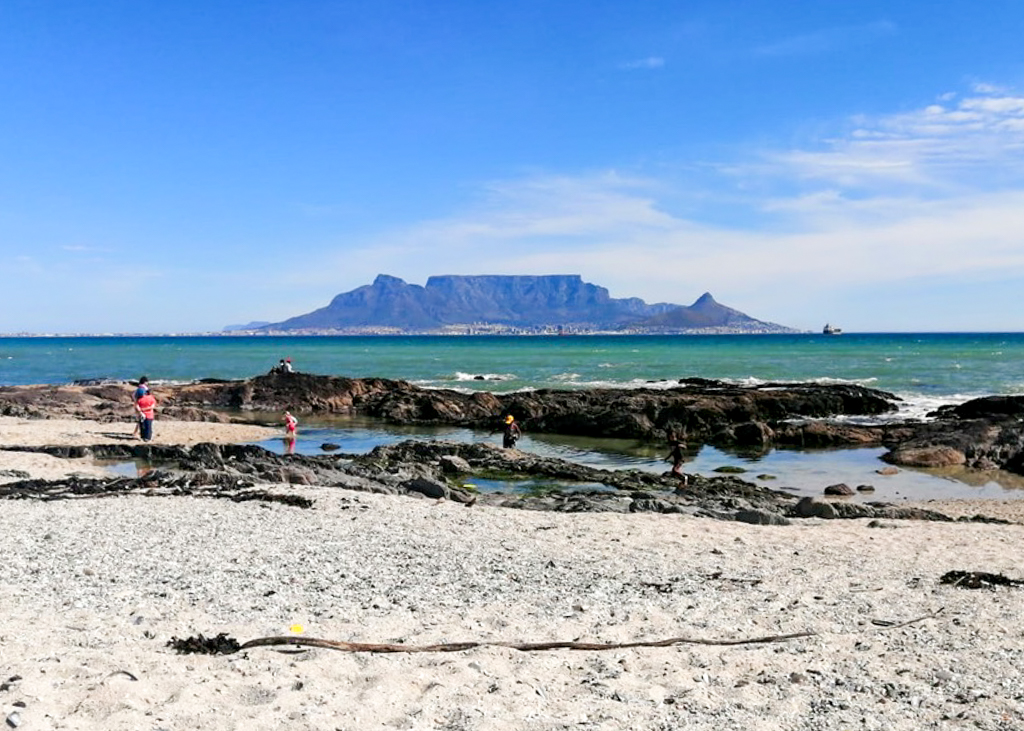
(925, 370)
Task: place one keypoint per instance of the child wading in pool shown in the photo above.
(677, 457)
(291, 428)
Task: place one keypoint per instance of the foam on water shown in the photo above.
(460, 376)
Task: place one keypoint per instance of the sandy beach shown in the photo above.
(83, 432)
(93, 589)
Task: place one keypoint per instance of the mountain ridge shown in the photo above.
(501, 302)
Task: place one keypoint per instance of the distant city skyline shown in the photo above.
(183, 167)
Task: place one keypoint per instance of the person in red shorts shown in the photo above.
(291, 427)
(146, 406)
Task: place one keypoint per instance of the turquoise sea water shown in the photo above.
(925, 370)
(918, 365)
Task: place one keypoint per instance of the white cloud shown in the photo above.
(984, 88)
(933, 148)
(651, 62)
(827, 40)
(83, 249)
(615, 234)
(934, 195)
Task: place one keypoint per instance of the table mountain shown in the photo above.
(510, 301)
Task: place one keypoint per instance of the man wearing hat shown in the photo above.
(512, 433)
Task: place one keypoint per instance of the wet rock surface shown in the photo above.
(701, 411)
(442, 470)
(983, 433)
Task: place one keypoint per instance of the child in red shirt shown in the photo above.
(146, 406)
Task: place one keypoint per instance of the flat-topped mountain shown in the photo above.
(511, 302)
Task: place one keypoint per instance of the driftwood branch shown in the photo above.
(224, 645)
(523, 646)
(896, 625)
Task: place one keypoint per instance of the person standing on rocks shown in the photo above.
(141, 390)
(146, 406)
(512, 433)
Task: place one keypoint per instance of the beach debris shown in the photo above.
(667, 587)
(153, 484)
(977, 580)
(222, 644)
(200, 645)
(294, 500)
(125, 673)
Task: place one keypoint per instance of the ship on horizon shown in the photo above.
(830, 330)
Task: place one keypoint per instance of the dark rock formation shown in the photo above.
(700, 410)
(985, 433)
(839, 489)
(107, 402)
(980, 434)
(809, 507)
(423, 469)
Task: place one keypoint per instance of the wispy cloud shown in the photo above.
(651, 62)
(80, 248)
(828, 40)
(888, 203)
(976, 140)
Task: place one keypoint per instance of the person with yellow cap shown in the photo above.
(512, 433)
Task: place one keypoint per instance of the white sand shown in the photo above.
(92, 589)
(74, 432)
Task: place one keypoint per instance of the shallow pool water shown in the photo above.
(799, 472)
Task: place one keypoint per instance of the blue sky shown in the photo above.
(182, 166)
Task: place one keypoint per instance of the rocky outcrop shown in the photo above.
(699, 410)
(984, 434)
(980, 434)
(440, 470)
(808, 507)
